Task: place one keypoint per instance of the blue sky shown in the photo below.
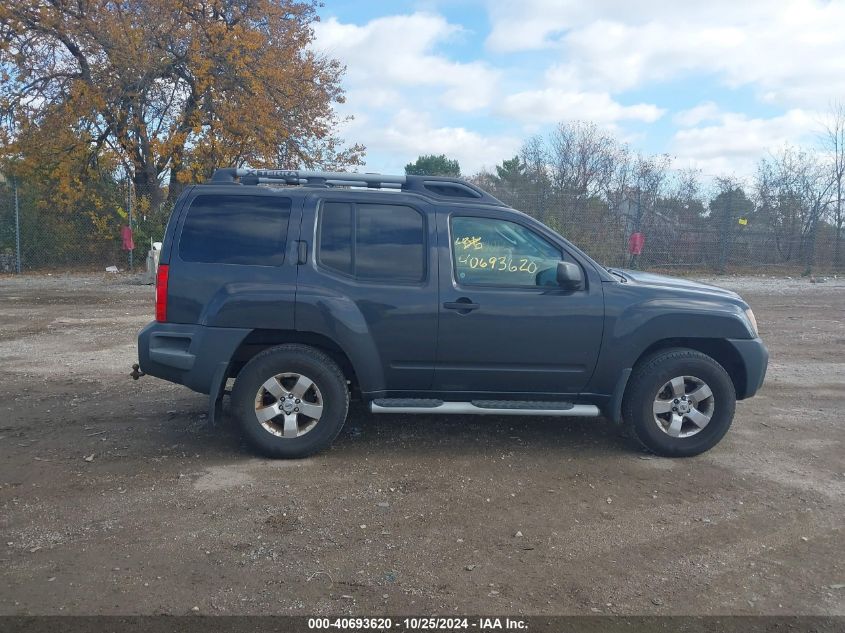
(715, 85)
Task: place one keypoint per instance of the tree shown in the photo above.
(648, 175)
(510, 175)
(834, 141)
(535, 158)
(794, 189)
(510, 182)
(726, 208)
(815, 184)
(433, 165)
(583, 159)
(171, 88)
(779, 199)
(684, 201)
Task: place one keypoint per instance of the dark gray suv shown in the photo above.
(428, 295)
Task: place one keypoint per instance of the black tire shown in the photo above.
(298, 359)
(648, 378)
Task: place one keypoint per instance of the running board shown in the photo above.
(483, 407)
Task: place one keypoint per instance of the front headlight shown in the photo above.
(752, 321)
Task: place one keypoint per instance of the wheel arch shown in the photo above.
(260, 339)
(718, 349)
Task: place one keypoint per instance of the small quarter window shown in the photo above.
(336, 222)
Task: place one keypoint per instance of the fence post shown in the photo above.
(17, 228)
(726, 233)
(129, 208)
(810, 250)
(638, 224)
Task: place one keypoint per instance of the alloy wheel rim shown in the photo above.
(288, 405)
(683, 406)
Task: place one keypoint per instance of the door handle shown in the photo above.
(461, 305)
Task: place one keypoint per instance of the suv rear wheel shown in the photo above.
(679, 402)
(291, 401)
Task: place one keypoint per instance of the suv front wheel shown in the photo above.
(679, 402)
(291, 401)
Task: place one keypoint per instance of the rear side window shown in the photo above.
(248, 230)
(372, 242)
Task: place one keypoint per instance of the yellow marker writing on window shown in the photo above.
(469, 243)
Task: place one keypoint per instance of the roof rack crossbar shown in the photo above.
(299, 177)
(346, 182)
(436, 186)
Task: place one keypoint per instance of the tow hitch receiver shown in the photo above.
(136, 372)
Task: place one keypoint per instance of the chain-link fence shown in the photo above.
(90, 231)
(664, 237)
(111, 224)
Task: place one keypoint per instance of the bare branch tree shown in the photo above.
(834, 142)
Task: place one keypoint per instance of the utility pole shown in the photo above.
(17, 228)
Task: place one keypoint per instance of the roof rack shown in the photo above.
(434, 186)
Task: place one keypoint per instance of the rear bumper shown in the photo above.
(755, 360)
(192, 355)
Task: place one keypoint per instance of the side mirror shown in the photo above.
(569, 276)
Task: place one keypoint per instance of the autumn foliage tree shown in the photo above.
(169, 89)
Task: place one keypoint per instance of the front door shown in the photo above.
(506, 327)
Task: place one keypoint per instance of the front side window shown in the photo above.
(491, 252)
(372, 242)
(248, 230)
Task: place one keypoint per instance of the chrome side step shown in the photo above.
(483, 407)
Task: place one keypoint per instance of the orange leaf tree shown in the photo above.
(170, 89)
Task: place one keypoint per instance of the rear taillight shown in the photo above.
(161, 293)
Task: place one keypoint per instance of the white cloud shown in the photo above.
(394, 53)
(410, 97)
(550, 105)
(791, 51)
(410, 133)
(734, 142)
(707, 111)
(374, 97)
(538, 24)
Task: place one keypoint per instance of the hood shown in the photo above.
(639, 278)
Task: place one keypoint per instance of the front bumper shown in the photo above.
(755, 360)
(192, 355)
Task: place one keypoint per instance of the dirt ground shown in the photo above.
(117, 498)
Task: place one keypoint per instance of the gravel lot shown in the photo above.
(117, 498)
